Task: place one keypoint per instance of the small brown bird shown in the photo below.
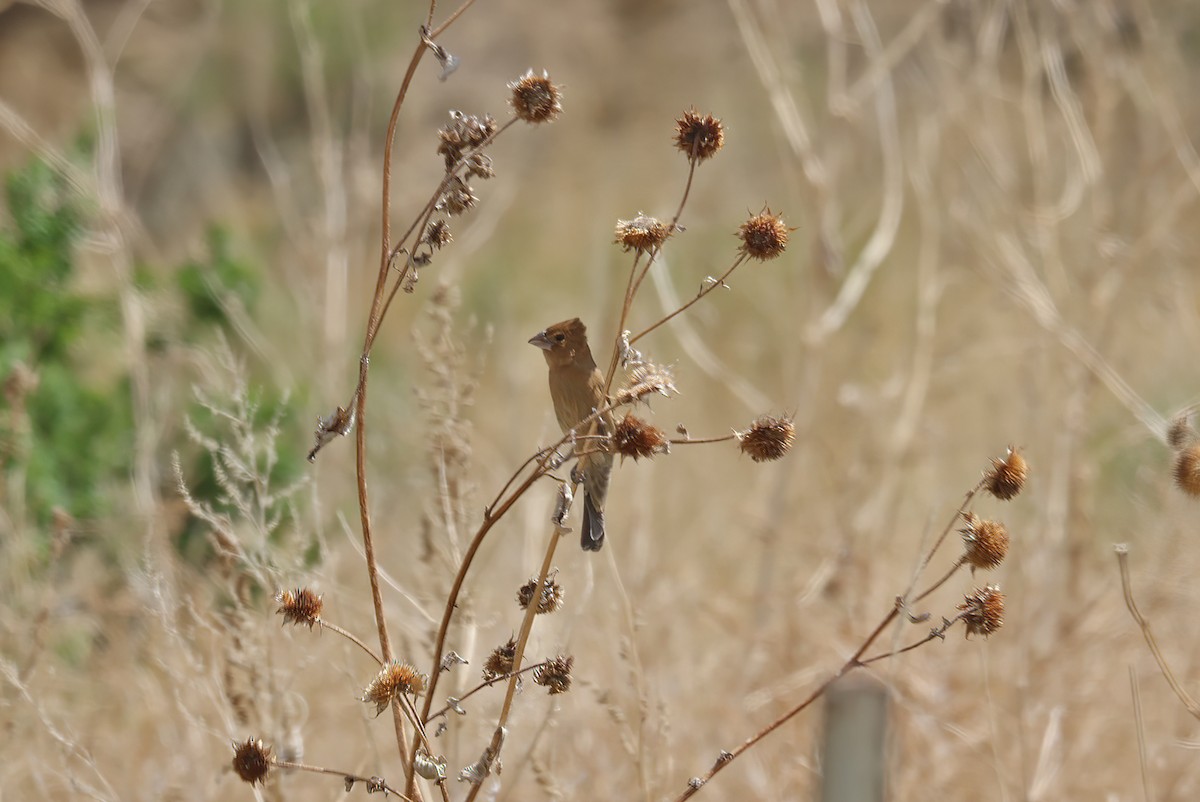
(577, 390)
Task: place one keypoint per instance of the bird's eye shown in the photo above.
(559, 337)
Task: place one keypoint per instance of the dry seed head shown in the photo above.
(551, 599)
(1006, 477)
(1187, 470)
(465, 131)
(500, 661)
(555, 675)
(986, 542)
(299, 606)
(393, 679)
(768, 438)
(635, 438)
(535, 99)
(764, 236)
(698, 137)
(252, 760)
(457, 198)
(646, 378)
(437, 235)
(642, 234)
(983, 610)
(1180, 433)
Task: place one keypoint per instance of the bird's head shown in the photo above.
(563, 343)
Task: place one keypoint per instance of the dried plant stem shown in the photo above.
(1122, 550)
(374, 319)
(491, 516)
(703, 292)
(856, 660)
(487, 683)
(347, 775)
(410, 713)
(522, 640)
(632, 286)
(695, 441)
(353, 639)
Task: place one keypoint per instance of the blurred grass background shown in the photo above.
(1013, 188)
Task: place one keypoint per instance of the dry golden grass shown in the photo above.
(996, 237)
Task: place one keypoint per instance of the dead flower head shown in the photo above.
(983, 610)
(437, 235)
(394, 679)
(764, 236)
(500, 661)
(555, 675)
(1006, 477)
(698, 137)
(1187, 470)
(299, 606)
(457, 198)
(768, 438)
(535, 99)
(465, 132)
(636, 438)
(252, 760)
(550, 600)
(986, 542)
(642, 234)
(1180, 433)
(646, 378)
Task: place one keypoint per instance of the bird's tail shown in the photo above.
(592, 537)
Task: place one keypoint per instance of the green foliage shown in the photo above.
(208, 287)
(71, 435)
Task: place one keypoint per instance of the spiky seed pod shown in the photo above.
(633, 437)
(764, 236)
(252, 760)
(1180, 433)
(479, 165)
(299, 606)
(986, 542)
(437, 235)
(555, 675)
(646, 378)
(464, 132)
(768, 438)
(1007, 476)
(550, 600)
(1187, 470)
(393, 679)
(500, 661)
(535, 98)
(642, 234)
(983, 610)
(457, 198)
(698, 137)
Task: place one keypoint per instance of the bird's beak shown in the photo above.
(541, 341)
